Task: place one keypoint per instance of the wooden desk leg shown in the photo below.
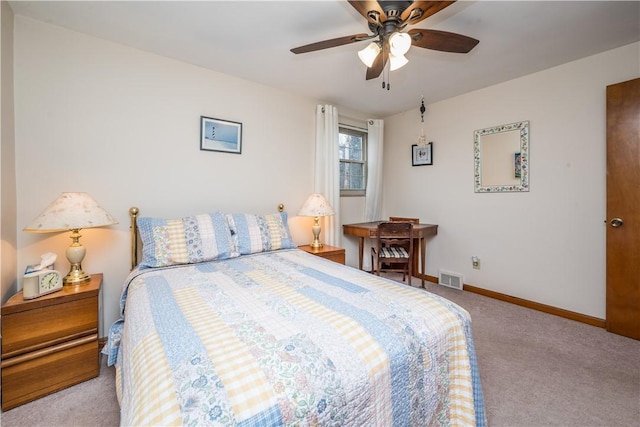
(423, 253)
(415, 259)
(360, 251)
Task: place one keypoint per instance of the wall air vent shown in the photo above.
(450, 280)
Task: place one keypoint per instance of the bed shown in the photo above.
(226, 322)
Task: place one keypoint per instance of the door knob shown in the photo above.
(617, 222)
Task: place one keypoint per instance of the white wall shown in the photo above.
(123, 125)
(546, 245)
(8, 246)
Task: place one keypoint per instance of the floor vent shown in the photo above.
(451, 280)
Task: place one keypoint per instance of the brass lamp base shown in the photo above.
(75, 255)
(316, 244)
(76, 277)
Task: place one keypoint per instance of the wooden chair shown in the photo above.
(394, 219)
(391, 254)
(412, 221)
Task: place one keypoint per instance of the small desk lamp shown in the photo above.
(72, 212)
(316, 206)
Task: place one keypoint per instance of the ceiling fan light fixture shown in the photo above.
(369, 54)
(397, 61)
(387, 24)
(399, 43)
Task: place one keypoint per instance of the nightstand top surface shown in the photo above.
(17, 303)
(323, 249)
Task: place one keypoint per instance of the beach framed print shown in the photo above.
(220, 135)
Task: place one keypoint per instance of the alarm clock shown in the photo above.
(39, 283)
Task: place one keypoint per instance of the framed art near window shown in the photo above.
(220, 135)
(422, 155)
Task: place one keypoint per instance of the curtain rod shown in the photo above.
(352, 127)
(359, 119)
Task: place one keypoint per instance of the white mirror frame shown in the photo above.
(523, 127)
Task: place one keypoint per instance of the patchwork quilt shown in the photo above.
(288, 338)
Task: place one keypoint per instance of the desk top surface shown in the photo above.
(366, 229)
(374, 224)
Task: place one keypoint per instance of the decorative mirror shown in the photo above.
(501, 158)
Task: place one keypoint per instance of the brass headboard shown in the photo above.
(135, 237)
(133, 214)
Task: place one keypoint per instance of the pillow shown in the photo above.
(187, 240)
(253, 233)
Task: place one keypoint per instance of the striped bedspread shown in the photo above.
(288, 338)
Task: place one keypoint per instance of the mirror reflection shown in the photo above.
(501, 157)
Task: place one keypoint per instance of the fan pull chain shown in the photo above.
(383, 83)
(388, 82)
(388, 75)
(388, 70)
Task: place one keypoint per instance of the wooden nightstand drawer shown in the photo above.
(32, 375)
(34, 329)
(335, 257)
(332, 253)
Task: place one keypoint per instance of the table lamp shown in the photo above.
(316, 206)
(72, 212)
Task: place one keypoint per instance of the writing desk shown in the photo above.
(370, 230)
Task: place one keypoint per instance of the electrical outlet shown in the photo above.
(475, 262)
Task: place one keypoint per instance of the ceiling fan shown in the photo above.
(387, 21)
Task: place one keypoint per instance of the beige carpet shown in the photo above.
(536, 370)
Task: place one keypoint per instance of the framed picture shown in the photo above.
(422, 155)
(220, 135)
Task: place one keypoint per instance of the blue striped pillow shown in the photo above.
(253, 233)
(187, 240)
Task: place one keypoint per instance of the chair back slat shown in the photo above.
(388, 231)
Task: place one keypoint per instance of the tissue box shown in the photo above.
(35, 267)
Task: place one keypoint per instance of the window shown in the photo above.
(353, 165)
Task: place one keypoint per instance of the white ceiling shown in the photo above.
(251, 40)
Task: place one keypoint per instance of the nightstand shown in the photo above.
(329, 252)
(49, 343)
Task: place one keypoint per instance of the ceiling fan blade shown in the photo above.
(428, 8)
(364, 7)
(442, 40)
(378, 64)
(330, 43)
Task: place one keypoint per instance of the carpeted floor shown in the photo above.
(536, 370)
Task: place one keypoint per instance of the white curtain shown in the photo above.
(375, 142)
(327, 170)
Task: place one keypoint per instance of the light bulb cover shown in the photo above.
(397, 61)
(399, 43)
(369, 53)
